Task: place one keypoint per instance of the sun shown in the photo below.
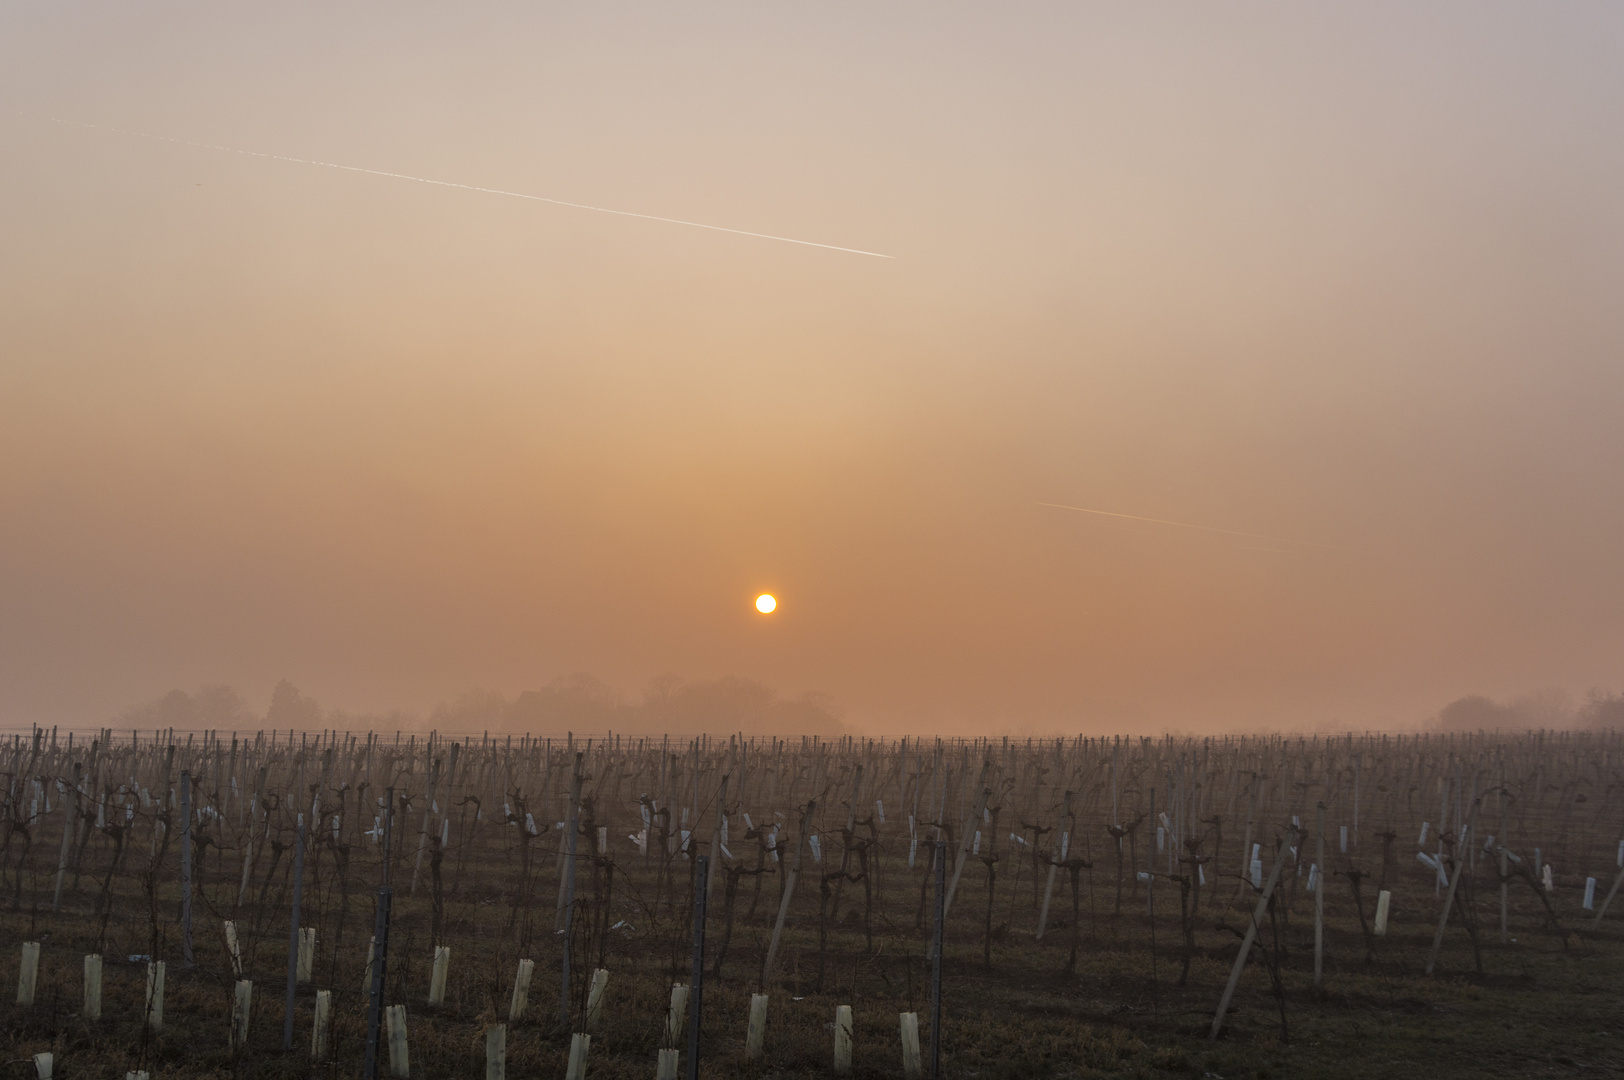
(766, 603)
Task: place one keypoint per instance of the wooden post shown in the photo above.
(566, 893)
(696, 991)
(239, 1015)
(248, 845)
(28, 973)
(496, 1052)
(320, 1030)
(842, 1040)
(676, 1015)
(521, 991)
(423, 833)
(845, 849)
(594, 996)
(1454, 883)
(1054, 864)
(936, 963)
(580, 1042)
(1246, 838)
(715, 845)
(1505, 870)
(1358, 769)
(790, 878)
(155, 995)
(69, 814)
(376, 1014)
(1384, 901)
(93, 987)
(1251, 936)
(1150, 880)
(971, 824)
(437, 976)
(399, 1062)
(294, 937)
(910, 1045)
(1319, 895)
(756, 1034)
(185, 866)
(571, 827)
(667, 1067)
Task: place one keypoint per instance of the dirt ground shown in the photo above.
(1544, 1004)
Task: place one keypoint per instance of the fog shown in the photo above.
(1347, 278)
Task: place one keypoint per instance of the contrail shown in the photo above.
(474, 187)
(1187, 525)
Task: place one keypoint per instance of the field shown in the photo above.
(1134, 856)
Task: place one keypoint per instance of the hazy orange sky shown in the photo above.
(1349, 275)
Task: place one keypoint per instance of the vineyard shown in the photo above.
(285, 904)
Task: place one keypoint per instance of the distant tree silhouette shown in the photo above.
(213, 706)
(291, 709)
(1477, 713)
(575, 703)
(669, 704)
(1602, 710)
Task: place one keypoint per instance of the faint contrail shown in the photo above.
(474, 187)
(1185, 525)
